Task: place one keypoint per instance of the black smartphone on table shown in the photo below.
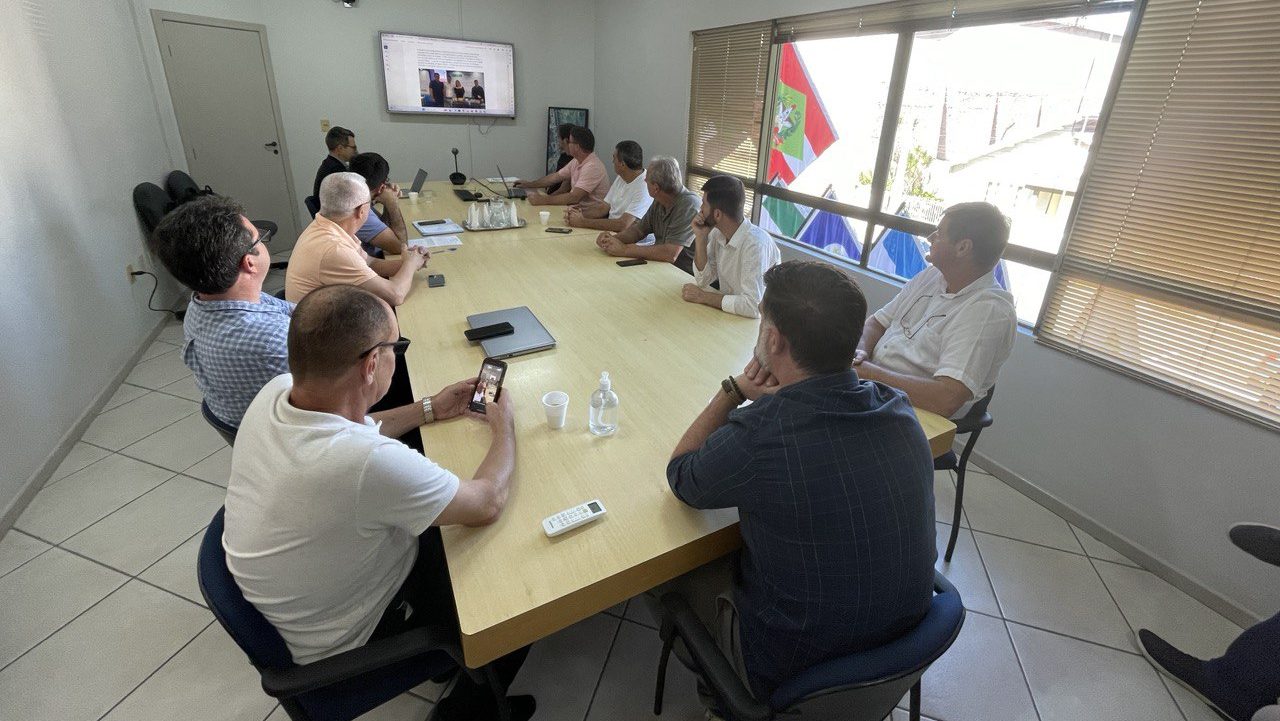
(490, 331)
(489, 387)
(559, 230)
(633, 261)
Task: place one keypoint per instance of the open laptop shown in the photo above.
(530, 335)
(513, 193)
(418, 181)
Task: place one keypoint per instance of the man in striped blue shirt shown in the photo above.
(833, 481)
(235, 335)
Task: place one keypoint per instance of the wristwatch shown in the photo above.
(731, 389)
(428, 415)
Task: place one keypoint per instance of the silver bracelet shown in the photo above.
(428, 414)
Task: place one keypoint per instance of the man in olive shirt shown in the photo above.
(668, 219)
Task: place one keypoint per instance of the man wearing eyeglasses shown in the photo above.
(342, 148)
(944, 337)
(328, 251)
(585, 174)
(330, 521)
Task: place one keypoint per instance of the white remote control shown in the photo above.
(571, 518)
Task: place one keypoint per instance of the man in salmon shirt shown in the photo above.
(585, 173)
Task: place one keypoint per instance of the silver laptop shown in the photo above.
(530, 335)
(512, 193)
(418, 181)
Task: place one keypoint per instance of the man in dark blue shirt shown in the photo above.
(833, 481)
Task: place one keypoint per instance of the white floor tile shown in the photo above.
(562, 670)
(80, 672)
(136, 420)
(1098, 549)
(123, 395)
(78, 501)
(176, 572)
(185, 388)
(992, 506)
(1052, 589)
(179, 446)
(159, 371)
(1076, 681)
(638, 610)
(626, 688)
(1192, 707)
(46, 593)
(977, 678)
(209, 679)
(966, 571)
(16, 548)
(944, 498)
(157, 349)
(214, 469)
(142, 532)
(900, 715)
(400, 708)
(1152, 603)
(172, 334)
(81, 456)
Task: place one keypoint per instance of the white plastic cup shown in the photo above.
(544, 216)
(556, 404)
(413, 196)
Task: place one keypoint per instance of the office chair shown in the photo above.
(973, 422)
(226, 430)
(182, 188)
(338, 688)
(864, 686)
(152, 203)
(313, 204)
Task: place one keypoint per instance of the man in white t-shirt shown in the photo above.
(943, 338)
(627, 200)
(328, 515)
(729, 251)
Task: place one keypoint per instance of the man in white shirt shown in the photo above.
(943, 338)
(327, 515)
(728, 251)
(627, 200)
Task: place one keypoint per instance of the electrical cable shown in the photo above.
(155, 285)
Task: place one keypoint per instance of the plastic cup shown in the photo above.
(413, 196)
(544, 216)
(556, 404)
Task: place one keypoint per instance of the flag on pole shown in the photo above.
(781, 216)
(832, 233)
(898, 253)
(801, 128)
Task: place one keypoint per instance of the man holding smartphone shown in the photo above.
(728, 250)
(330, 521)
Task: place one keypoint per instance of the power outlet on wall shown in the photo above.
(324, 125)
(138, 264)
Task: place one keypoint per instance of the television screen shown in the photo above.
(442, 76)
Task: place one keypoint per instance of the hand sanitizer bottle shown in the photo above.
(603, 419)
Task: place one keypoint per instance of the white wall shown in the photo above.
(1164, 474)
(80, 129)
(327, 64)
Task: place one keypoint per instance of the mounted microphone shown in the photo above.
(456, 177)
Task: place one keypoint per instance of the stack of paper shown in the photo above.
(447, 227)
(437, 243)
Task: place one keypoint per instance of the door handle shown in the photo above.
(273, 146)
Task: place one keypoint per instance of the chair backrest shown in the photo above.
(247, 627)
(152, 204)
(313, 204)
(226, 430)
(908, 654)
(182, 188)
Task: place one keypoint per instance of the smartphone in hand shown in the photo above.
(492, 371)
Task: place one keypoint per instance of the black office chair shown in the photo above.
(973, 422)
(226, 430)
(863, 686)
(152, 203)
(182, 188)
(338, 688)
(313, 204)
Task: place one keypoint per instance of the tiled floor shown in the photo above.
(102, 618)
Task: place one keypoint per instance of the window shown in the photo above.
(1171, 269)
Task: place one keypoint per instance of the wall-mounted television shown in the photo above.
(442, 76)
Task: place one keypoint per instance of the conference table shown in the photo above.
(512, 584)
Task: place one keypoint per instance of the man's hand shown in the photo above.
(859, 356)
(572, 216)
(609, 243)
(500, 414)
(536, 199)
(693, 294)
(755, 381)
(415, 256)
(519, 184)
(452, 400)
(700, 229)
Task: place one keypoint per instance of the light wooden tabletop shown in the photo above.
(513, 585)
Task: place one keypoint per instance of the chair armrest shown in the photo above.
(969, 424)
(717, 672)
(941, 584)
(290, 682)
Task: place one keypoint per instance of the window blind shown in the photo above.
(726, 99)
(1171, 268)
(926, 14)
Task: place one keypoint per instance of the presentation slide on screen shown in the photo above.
(451, 77)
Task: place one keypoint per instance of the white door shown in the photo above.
(223, 97)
